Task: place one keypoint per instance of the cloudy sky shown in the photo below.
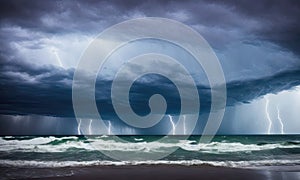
(258, 45)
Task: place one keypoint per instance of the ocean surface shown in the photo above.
(76, 151)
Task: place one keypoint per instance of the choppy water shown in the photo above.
(73, 151)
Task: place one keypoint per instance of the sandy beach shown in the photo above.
(152, 172)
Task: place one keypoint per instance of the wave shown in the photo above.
(63, 144)
(232, 164)
(73, 151)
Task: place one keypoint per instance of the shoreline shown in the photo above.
(148, 172)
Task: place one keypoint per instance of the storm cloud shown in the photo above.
(274, 21)
(47, 90)
(258, 45)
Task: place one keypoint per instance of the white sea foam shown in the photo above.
(235, 164)
(105, 143)
(226, 147)
(43, 144)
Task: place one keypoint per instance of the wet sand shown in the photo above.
(148, 172)
(155, 172)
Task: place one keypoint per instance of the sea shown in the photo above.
(243, 151)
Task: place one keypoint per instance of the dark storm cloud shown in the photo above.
(275, 21)
(279, 22)
(56, 17)
(46, 90)
(29, 89)
(246, 91)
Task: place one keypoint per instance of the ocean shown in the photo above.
(251, 151)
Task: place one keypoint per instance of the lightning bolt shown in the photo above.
(268, 116)
(109, 128)
(173, 125)
(280, 120)
(58, 59)
(78, 128)
(90, 127)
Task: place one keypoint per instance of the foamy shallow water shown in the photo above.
(225, 151)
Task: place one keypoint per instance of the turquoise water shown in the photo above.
(73, 151)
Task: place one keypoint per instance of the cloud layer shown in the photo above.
(47, 90)
(257, 44)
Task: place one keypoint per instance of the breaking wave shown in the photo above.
(73, 151)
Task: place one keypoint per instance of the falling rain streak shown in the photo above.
(90, 127)
(184, 128)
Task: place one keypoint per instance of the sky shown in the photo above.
(258, 45)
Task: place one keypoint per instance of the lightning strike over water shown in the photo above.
(90, 127)
(268, 116)
(280, 120)
(109, 128)
(173, 125)
(78, 128)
